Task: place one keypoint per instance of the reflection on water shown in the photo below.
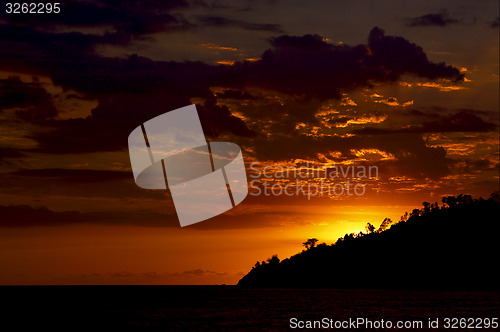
(164, 308)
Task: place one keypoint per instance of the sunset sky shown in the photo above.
(409, 87)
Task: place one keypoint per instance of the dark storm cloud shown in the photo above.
(412, 156)
(6, 153)
(109, 125)
(15, 216)
(101, 76)
(304, 66)
(30, 100)
(462, 121)
(134, 89)
(309, 67)
(35, 49)
(440, 19)
(130, 91)
(470, 165)
(133, 17)
(494, 24)
(234, 94)
(394, 56)
(220, 21)
(112, 121)
(458, 122)
(75, 175)
(217, 119)
(76, 183)
(25, 216)
(18, 216)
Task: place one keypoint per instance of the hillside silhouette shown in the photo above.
(454, 245)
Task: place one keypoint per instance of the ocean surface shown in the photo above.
(225, 308)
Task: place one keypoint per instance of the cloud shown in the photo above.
(24, 216)
(346, 120)
(470, 165)
(134, 89)
(25, 47)
(112, 121)
(216, 119)
(28, 216)
(413, 157)
(30, 100)
(202, 272)
(220, 21)
(440, 19)
(234, 94)
(462, 121)
(6, 153)
(309, 67)
(394, 56)
(188, 273)
(18, 216)
(494, 24)
(132, 17)
(78, 184)
(74, 176)
(459, 122)
(303, 66)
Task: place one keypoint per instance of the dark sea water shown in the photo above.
(218, 308)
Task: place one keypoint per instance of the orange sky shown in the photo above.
(82, 254)
(273, 79)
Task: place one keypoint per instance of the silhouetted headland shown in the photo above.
(454, 245)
